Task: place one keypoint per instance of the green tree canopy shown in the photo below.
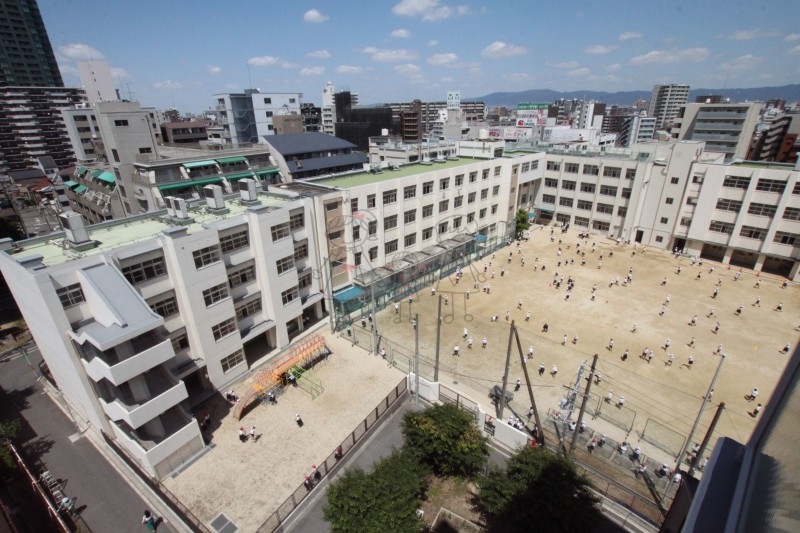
(8, 432)
(536, 491)
(386, 499)
(446, 439)
(522, 221)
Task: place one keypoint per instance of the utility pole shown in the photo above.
(540, 433)
(416, 360)
(583, 404)
(502, 401)
(707, 438)
(373, 319)
(438, 336)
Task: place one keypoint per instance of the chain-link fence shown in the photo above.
(617, 414)
(662, 437)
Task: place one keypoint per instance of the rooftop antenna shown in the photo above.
(249, 78)
(130, 94)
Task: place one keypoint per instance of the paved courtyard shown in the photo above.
(661, 398)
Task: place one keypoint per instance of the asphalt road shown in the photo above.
(50, 440)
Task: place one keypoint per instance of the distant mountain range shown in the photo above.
(790, 93)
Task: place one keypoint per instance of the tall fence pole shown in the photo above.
(373, 318)
(438, 335)
(583, 404)
(501, 402)
(707, 438)
(540, 432)
(416, 360)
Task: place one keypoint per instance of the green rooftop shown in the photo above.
(366, 178)
(763, 164)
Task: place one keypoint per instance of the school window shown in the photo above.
(373, 253)
(389, 197)
(612, 172)
(548, 199)
(427, 233)
(720, 227)
(565, 201)
(605, 208)
(389, 222)
(443, 228)
(782, 237)
(605, 190)
(630, 173)
(674, 180)
(770, 185)
(289, 295)
(332, 206)
(457, 222)
(444, 184)
(552, 165)
(297, 221)
(482, 213)
(562, 218)
(796, 189)
(165, 307)
(205, 256)
(358, 259)
(495, 190)
(410, 216)
(591, 170)
(409, 192)
(736, 182)
(470, 218)
(354, 205)
(410, 240)
(484, 194)
(459, 180)
(458, 201)
(285, 264)
(622, 211)
(427, 187)
(444, 205)
(588, 187)
(791, 213)
(626, 193)
(526, 167)
(494, 209)
(550, 182)
(248, 308)
(234, 359)
(568, 185)
(179, 342)
(70, 295)
(335, 235)
(664, 220)
(585, 205)
(301, 251)
(601, 226)
(471, 198)
(534, 165)
(241, 276)
(356, 232)
(669, 201)
(120, 123)
(571, 168)
(267, 100)
(473, 177)
(427, 211)
(659, 238)
(723, 204)
(279, 231)
(152, 268)
(697, 179)
(753, 233)
(224, 328)
(370, 201)
(390, 247)
(496, 171)
(215, 294)
(685, 221)
(269, 114)
(764, 210)
(485, 174)
(372, 228)
(234, 241)
(582, 221)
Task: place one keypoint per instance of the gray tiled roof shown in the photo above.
(333, 161)
(303, 143)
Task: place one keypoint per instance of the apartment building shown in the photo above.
(725, 128)
(92, 192)
(665, 101)
(84, 133)
(247, 117)
(136, 318)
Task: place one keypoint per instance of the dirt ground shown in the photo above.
(660, 398)
(248, 481)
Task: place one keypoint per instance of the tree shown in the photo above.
(522, 221)
(386, 499)
(536, 489)
(8, 432)
(10, 228)
(446, 439)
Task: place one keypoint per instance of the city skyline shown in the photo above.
(179, 54)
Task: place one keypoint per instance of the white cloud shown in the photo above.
(747, 35)
(312, 15)
(615, 67)
(401, 33)
(599, 49)
(443, 59)
(663, 57)
(564, 64)
(312, 71)
(580, 72)
(167, 84)
(794, 51)
(792, 37)
(80, 52)
(428, 10)
(268, 61)
(501, 49)
(745, 62)
(388, 55)
(119, 73)
(319, 54)
(628, 35)
(433, 42)
(412, 71)
(68, 69)
(214, 70)
(348, 69)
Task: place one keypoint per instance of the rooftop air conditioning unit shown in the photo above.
(247, 190)
(213, 194)
(170, 201)
(181, 208)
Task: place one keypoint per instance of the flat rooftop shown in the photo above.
(134, 229)
(367, 178)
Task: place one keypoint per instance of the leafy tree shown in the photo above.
(445, 438)
(8, 432)
(537, 489)
(386, 499)
(10, 228)
(522, 221)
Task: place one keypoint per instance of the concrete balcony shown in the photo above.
(166, 393)
(108, 365)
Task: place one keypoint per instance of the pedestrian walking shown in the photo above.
(413, 323)
(739, 310)
(787, 348)
(465, 333)
(484, 342)
(298, 420)
(756, 411)
(149, 520)
(714, 293)
(719, 349)
(663, 282)
(610, 345)
(253, 434)
(753, 394)
(670, 359)
(689, 362)
(242, 435)
(469, 343)
(446, 299)
(716, 327)
(610, 396)
(528, 316)
(779, 307)
(625, 355)
(691, 343)
(396, 308)
(519, 304)
(530, 350)
(667, 300)
(456, 350)
(518, 385)
(541, 369)
(621, 402)
(564, 341)
(667, 343)
(635, 328)
(553, 371)
(663, 310)
(508, 314)
(757, 303)
(711, 313)
(433, 291)
(575, 339)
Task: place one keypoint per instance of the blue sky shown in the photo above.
(179, 53)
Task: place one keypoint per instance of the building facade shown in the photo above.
(725, 128)
(247, 117)
(97, 81)
(26, 56)
(665, 102)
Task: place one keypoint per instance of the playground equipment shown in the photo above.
(296, 361)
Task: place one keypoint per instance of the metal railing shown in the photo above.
(274, 521)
